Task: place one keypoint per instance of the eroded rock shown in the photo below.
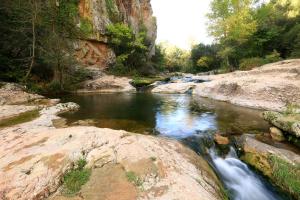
(107, 83)
(289, 123)
(268, 87)
(34, 156)
(12, 93)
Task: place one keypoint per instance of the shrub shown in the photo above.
(74, 179)
(86, 27)
(133, 178)
(273, 57)
(250, 63)
(131, 49)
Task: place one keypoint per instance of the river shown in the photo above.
(189, 120)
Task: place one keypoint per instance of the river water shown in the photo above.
(189, 120)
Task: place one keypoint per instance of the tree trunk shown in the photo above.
(33, 20)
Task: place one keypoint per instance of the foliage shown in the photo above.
(131, 49)
(133, 178)
(37, 40)
(158, 60)
(175, 58)
(21, 118)
(145, 81)
(246, 30)
(205, 57)
(74, 179)
(112, 10)
(250, 63)
(287, 175)
(86, 27)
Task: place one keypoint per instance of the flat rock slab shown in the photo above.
(108, 84)
(9, 111)
(34, 157)
(268, 87)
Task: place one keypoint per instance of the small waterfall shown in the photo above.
(240, 180)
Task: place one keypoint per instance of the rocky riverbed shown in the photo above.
(34, 156)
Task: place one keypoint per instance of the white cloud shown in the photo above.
(181, 21)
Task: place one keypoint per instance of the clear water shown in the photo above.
(185, 118)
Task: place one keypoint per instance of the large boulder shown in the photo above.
(12, 93)
(107, 83)
(268, 87)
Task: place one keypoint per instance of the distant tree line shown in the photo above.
(247, 34)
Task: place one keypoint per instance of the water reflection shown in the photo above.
(175, 118)
(171, 115)
(183, 117)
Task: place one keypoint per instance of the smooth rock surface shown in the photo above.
(12, 93)
(35, 155)
(268, 87)
(108, 84)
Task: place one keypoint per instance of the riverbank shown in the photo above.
(270, 87)
(35, 156)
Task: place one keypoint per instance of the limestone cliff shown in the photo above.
(136, 13)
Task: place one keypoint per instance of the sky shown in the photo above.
(181, 22)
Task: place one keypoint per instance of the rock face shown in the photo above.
(35, 155)
(107, 83)
(268, 87)
(289, 123)
(136, 13)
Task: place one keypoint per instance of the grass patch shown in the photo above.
(133, 178)
(76, 178)
(145, 81)
(21, 118)
(286, 175)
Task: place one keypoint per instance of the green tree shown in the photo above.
(131, 49)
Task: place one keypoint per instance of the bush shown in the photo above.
(273, 57)
(131, 49)
(250, 63)
(73, 180)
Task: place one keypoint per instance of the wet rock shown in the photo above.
(221, 140)
(174, 88)
(277, 134)
(280, 165)
(289, 123)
